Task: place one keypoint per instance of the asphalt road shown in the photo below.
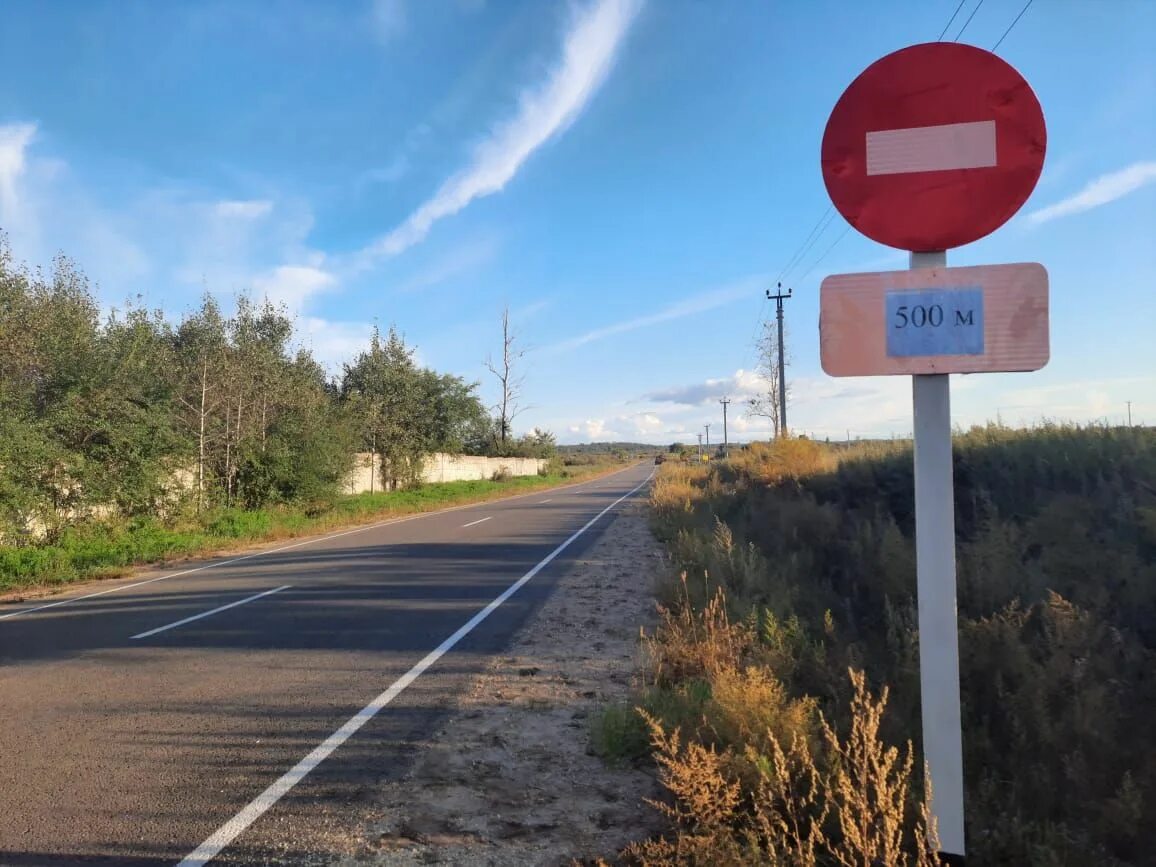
(123, 742)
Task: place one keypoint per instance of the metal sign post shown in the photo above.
(935, 592)
(932, 147)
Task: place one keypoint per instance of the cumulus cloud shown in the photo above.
(1104, 189)
(168, 240)
(591, 430)
(292, 285)
(14, 141)
(641, 426)
(589, 51)
(742, 385)
(334, 343)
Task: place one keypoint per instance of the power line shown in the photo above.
(1013, 24)
(828, 215)
(808, 242)
(949, 20)
(830, 219)
(968, 21)
(726, 442)
(815, 264)
(796, 258)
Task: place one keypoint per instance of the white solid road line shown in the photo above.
(311, 541)
(256, 808)
(479, 521)
(210, 613)
(547, 501)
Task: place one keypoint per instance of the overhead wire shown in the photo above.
(825, 253)
(1010, 26)
(949, 20)
(968, 21)
(805, 245)
(821, 225)
(808, 242)
(827, 216)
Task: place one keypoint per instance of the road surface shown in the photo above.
(240, 710)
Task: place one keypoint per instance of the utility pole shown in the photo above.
(726, 442)
(779, 299)
(1129, 412)
(707, 437)
(700, 445)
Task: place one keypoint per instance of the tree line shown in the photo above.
(131, 413)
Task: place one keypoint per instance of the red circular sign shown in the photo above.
(933, 147)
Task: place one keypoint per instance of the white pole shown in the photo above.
(935, 580)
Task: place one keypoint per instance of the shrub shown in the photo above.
(848, 804)
(814, 547)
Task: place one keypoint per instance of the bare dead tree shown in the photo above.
(510, 379)
(768, 403)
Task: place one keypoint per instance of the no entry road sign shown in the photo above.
(933, 146)
(930, 148)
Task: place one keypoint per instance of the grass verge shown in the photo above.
(793, 564)
(110, 549)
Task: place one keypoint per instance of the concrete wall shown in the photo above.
(446, 468)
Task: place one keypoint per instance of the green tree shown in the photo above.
(404, 413)
(383, 386)
(306, 443)
(199, 351)
(133, 444)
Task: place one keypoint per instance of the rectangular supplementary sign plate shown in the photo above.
(931, 148)
(980, 319)
(935, 322)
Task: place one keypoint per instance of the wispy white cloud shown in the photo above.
(389, 19)
(687, 307)
(243, 209)
(589, 50)
(1104, 189)
(528, 311)
(460, 260)
(390, 173)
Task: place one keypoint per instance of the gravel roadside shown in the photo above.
(508, 779)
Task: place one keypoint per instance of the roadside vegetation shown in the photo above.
(782, 686)
(127, 437)
(103, 549)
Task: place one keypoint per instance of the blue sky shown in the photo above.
(626, 176)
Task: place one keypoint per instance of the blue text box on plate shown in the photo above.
(935, 322)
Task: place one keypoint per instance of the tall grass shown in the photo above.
(813, 547)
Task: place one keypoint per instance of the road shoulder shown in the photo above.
(508, 779)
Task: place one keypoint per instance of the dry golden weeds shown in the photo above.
(847, 805)
(690, 645)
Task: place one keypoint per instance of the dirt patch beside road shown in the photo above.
(508, 780)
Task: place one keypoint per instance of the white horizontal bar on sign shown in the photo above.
(931, 148)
